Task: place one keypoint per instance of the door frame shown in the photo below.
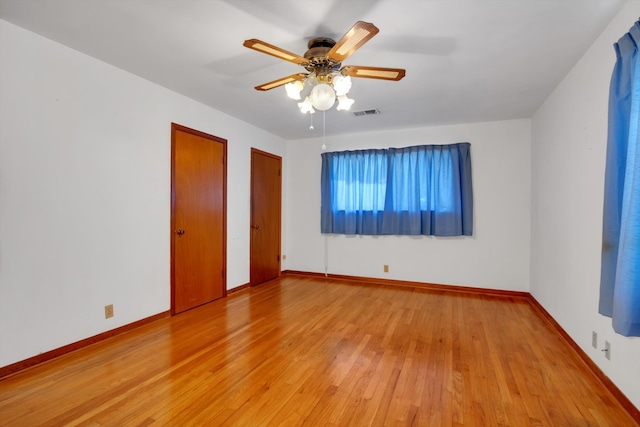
(251, 244)
(176, 127)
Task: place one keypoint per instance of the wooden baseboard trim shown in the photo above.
(619, 396)
(404, 283)
(238, 288)
(36, 360)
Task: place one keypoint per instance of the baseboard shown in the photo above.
(405, 283)
(238, 288)
(617, 393)
(52, 354)
(35, 360)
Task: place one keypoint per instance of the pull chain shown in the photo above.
(324, 122)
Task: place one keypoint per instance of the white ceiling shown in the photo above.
(466, 61)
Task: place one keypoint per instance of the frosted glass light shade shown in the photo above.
(342, 85)
(293, 89)
(306, 106)
(322, 96)
(344, 103)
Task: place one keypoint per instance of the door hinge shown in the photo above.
(223, 274)
(224, 159)
(279, 172)
(278, 258)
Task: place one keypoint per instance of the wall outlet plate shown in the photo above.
(594, 339)
(607, 350)
(108, 311)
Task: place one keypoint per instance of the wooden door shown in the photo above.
(198, 218)
(266, 202)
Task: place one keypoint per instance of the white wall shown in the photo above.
(85, 193)
(568, 160)
(497, 256)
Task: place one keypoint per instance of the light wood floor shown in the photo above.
(306, 351)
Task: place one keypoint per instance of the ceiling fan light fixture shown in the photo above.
(293, 89)
(306, 106)
(322, 96)
(344, 103)
(342, 85)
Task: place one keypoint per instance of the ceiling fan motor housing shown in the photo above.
(319, 63)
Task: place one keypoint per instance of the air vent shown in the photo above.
(366, 112)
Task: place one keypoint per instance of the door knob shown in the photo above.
(180, 232)
(255, 227)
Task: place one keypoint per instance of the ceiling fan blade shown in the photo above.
(282, 81)
(359, 34)
(394, 74)
(272, 50)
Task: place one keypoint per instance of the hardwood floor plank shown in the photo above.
(323, 352)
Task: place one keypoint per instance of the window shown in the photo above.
(620, 271)
(420, 190)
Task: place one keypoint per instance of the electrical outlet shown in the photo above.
(284, 257)
(594, 339)
(607, 350)
(386, 268)
(108, 311)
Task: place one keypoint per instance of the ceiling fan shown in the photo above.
(323, 61)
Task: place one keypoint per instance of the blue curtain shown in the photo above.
(353, 191)
(421, 190)
(620, 272)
